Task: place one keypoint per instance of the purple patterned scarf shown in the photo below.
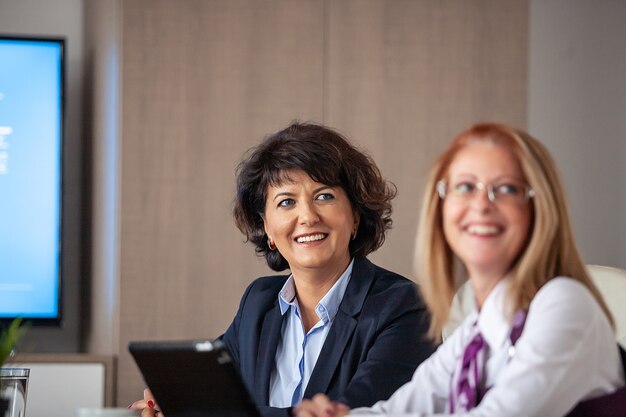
(465, 392)
(468, 375)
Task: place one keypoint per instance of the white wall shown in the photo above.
(60, 18)
(577, 107)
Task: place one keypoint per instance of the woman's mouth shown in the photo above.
(483, 230)
(311, 238)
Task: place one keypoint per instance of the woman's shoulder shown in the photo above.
(269, 282)
(388, 281)
(567, 295)
(562, 287)
(262, 293)
(388, 285)
(267, 286)
(386, 276)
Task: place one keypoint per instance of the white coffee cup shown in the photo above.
(106, 412)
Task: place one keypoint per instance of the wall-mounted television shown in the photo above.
(31, 141)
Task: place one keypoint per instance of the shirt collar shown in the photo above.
(328, 306)
(492, 320)
(287, 295)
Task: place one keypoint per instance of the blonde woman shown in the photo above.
(541, 339)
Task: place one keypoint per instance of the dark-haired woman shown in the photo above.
(338, 324)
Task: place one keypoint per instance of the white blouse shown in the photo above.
(566, 353)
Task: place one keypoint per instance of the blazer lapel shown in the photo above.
(343, 327)
(268, 343)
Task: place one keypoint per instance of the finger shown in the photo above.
(302, 412)
(342, 407)
(138, 405)
(341, 410)
(320, 399)
(151, 401)
(305, 409)
(141, 404)
(324, 406)
(148, 412)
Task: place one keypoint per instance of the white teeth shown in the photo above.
(311, 238)
(482, 230)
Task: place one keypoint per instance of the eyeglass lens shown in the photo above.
(508, 191)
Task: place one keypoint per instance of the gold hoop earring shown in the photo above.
(271, 244)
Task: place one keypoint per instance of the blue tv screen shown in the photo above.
(31, 138)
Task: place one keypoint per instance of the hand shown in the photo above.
(148, 406)
(320, 406)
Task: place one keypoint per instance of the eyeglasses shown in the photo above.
(505, 192)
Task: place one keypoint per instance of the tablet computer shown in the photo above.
(194, 378)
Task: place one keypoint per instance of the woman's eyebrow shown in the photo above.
(323, 187)
(282, 194)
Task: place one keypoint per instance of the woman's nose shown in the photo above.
(481, 199)
(308, 215)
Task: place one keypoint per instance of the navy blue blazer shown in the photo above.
(376, 342)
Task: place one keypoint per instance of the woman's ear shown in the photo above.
(355, 226)
(262, 216)
(270, 241)
(357, 220)
(265, 225)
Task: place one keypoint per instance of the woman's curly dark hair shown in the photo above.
(328, 158)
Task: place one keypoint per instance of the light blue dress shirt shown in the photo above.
(297, 352)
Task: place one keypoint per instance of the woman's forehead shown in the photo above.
(485, 160)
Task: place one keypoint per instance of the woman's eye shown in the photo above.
(508, 189)
(325, 196)
(464, 188)
(286, 202)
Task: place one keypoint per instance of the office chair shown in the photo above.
(612, 285)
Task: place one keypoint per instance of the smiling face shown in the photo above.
(311, 224)
(486, 236)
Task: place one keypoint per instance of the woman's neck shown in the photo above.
(312, 285)
(483, 283)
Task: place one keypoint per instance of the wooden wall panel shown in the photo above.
(202, 82)
(403, 77)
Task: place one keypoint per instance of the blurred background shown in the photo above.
(164, 96)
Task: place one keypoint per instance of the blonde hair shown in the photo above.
(550, 250)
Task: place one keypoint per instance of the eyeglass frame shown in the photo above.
(441, 188)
